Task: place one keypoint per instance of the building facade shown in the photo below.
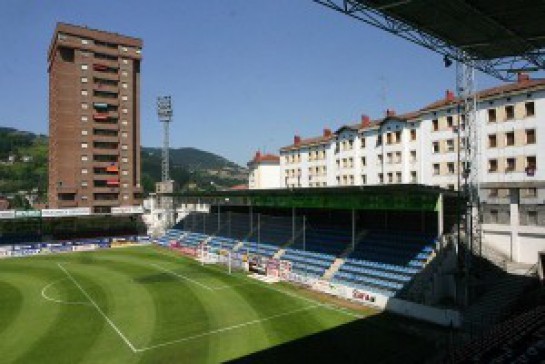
(264, 171)
(94, 119)
(425, 147)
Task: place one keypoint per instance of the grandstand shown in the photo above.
(373, 240)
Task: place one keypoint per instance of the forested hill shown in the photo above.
(23, 165)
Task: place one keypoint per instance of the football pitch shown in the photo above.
(149, 305)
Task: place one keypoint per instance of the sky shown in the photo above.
(244, 75)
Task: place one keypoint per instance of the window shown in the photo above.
(124, 85)
(124, 73)
(510, 138)
(380, 178)
(351, 179)
(84, 80)
(84, 67)
(493, 192)
(84, 93)
(389, 157)
(125, 172)
(125, 61)
(124, 147)
(125, 197)
(363, 142)
(450, 187)
(364, 179)
(435, 124)
(84, 118)
(529, 108)
(390, 177)
(531, 162)
(61, 36)
(363, 161)
(85, 54)
(450, 145)
(379, 139)
(492, 115)
(530, 192)
(492, 141)
(398, 137)
(398, 177)
(124, 49)
(450, 167)
(436, 169)
(532, 218)
(435, 147)
(84, 198)
(124, 134)
(494, 216)
(413, 177)
(492, 165)
(124, 122)
(413, 156)
(389, 138)
(124, 111)
(83, 145)
(530, 136)
(124, 97)
(398, 157)
(84, 171)
(450, 121)
(509, 112)
(84, 132)
(84, 158)
(510, 165)
(380, 159)
(413, 134)
(83, 183)
(84, 41)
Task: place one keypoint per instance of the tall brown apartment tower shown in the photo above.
(94, 119)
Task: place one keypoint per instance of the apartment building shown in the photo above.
(94, 119)
(425, 147)
(263, 171)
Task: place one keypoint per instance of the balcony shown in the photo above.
(106, 139)
(109, 125)
(106, 190)
(101, 63)
(67, 204)
(100, 151)
(67, 189)
(99, 100)
(98, 86)
(109, 178)
(106, 202)
(106, 75)
(103, 164)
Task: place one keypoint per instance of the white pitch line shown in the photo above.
(228, 328)
(231, 286)
(183, 277)
(44, 295)
(129, 344)
(332, 307)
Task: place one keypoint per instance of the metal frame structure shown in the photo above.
(164, 113)
(381, 14)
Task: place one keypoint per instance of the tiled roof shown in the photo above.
(258, 158)
(491, 92)
(309, 141)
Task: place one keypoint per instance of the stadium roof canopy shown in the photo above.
(501, 37)
(406, 197)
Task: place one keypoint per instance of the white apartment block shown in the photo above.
(264, 171)
(421, 147)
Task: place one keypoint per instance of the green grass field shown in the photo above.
(146, 304)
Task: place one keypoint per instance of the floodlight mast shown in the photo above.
(164, 112)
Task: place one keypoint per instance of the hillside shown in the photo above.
(23, 165)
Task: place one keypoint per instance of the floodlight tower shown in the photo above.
(164, 112)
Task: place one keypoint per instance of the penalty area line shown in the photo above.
(182, 277)
(116, 329)
(228, 328)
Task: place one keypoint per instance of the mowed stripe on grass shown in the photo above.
(162, 316)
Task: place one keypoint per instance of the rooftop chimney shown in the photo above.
(327, 133)
(257, 155)
(449, 96)
(297, 140)
(365, 121)
(522, 77)
(390, 113)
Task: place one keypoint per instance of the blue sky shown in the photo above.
(244, 74)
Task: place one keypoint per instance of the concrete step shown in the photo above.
(333, 268)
